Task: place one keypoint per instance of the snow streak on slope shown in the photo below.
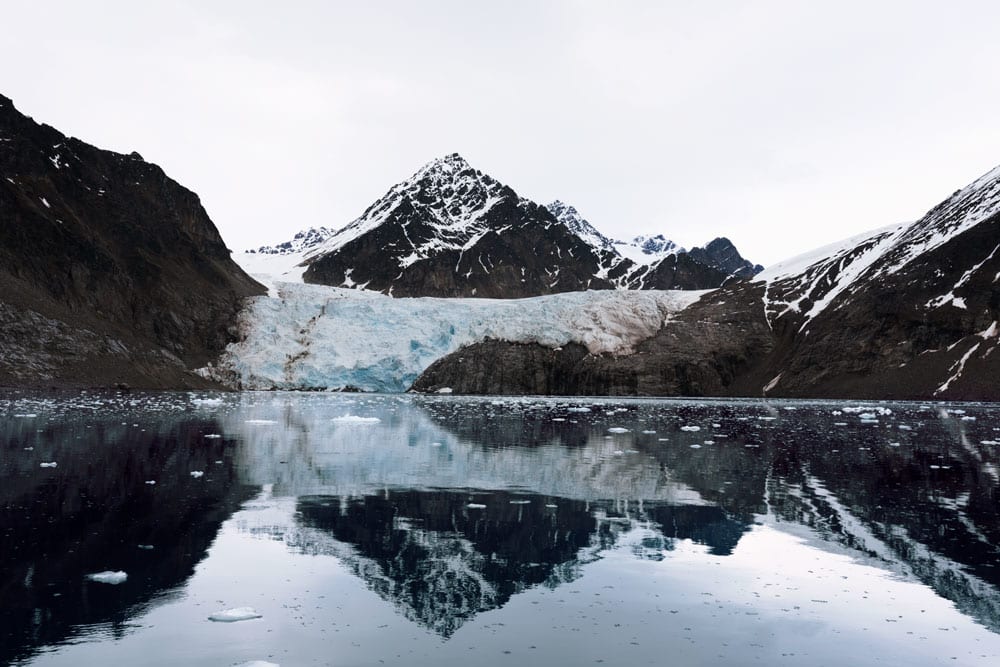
(322, 337)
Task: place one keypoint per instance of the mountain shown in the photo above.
(451, 230)
(909, 311)
(110, 271)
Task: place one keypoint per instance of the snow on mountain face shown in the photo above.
(313, 336)
(647, 249)
(570, 217)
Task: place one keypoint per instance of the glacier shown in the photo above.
(304, 336)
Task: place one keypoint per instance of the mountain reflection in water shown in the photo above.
(450, 507)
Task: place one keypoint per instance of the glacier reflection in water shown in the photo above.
(446, 530)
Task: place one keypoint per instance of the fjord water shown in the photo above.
(411, 530)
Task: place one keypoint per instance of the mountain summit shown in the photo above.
(452, 230)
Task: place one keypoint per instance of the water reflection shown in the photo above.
(120, 498)
(448, 508)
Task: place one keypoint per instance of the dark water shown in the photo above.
(497, 532)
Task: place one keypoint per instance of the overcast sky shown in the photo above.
(782, 125)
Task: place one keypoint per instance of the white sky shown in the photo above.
(782, 125)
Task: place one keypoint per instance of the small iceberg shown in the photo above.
(197, 473)
(207, 402)
(354, 419)
(690, 428)
(234, 615)
(617, 429)
(108, 577)
(476, 506)
(49, 464)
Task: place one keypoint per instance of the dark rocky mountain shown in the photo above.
(110, 272)
(911, 311)
(451, 230)
(721, 254)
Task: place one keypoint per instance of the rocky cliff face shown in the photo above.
(911, 311)
(110, 272)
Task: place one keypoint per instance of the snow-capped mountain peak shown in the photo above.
(446, 193)
(302, 242)
(569, 216)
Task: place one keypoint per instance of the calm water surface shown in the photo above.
(370, 530)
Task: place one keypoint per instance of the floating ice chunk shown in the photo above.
(577, 409)
(151, 482)
(212, 436)
(649, 432)
(444, 390)
(355, 419)
(551, 506)
(617, 429)
(710, 442)
(145, 547)
(695, 446)
(27, 415)
(108, 577)
(868, 417)
(48, 464)
(235, 614)
(261, 421)
(476, 506)
(968, 418)
(904, 427)
(690, 428)
(197, 473)
(207, 402)
(520, 502)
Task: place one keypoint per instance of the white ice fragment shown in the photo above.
(520, 502)
(476, 506)
(649, 432)
(207, 402)
(197, 473)
(355, 419)
(27, 415)
(108, 577)
(695, 446)
(151, 482)
(617, 429)
(261, 421)
(577, 409)
(49, 464)
(235, 614)
(690, 428)
(212, 436)
(444, 390)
